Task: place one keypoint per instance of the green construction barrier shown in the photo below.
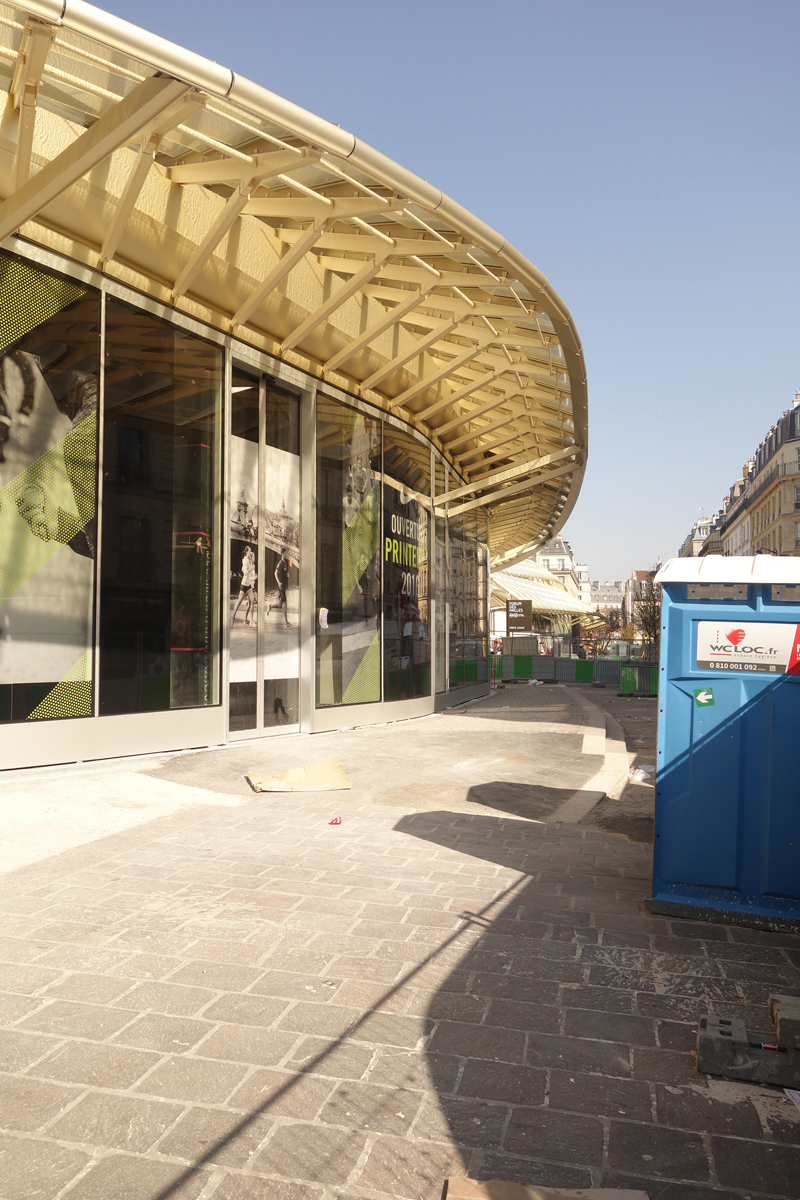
(627, 675)
(523, 666)
(654, 681)
(584, 671)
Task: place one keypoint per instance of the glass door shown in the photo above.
(264, 593)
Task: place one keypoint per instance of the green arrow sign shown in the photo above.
(704, 697)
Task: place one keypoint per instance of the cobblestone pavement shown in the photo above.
(251, 1004)
(633, 813)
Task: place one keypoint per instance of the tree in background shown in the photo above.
(647, 614)
(627, 632)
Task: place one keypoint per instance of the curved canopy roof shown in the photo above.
(213, 195)
(547, 594)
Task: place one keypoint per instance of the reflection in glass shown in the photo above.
(406, 593)
(159, 636)
(440, 581)
(464, 632)
(244, 558)
(49, 356)
(281, 546)
(348, 650)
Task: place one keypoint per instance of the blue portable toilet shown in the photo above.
(727, 825)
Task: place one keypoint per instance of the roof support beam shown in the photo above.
(386, 322)
(451, 365)
(514, 436)
(37, 39)
(482, 381)
(238, 203)
(237, 170)
(512, 490)
(117, 126)
(435, 335)
(354, 284)
(507, 474)
(174, 115)
(480, 411)
(304, 208)
(291, 258)
(476, 433)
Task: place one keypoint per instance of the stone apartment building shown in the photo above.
(556, 556)
(761, 514)
(608, 597)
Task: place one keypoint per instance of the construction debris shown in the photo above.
(325, 776)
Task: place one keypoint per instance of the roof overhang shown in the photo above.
(181, 179)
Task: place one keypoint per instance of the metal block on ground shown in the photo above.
(724, 1047)
(785, 1013)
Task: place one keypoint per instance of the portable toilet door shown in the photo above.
(727, 821)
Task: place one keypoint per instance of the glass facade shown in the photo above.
(348, 618)
(264, 488)
(406, 575)
(116, 574)
(159, 614)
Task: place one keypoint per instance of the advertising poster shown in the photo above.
(49, 343)
(405, 588)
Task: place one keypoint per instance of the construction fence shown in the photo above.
(632, 679)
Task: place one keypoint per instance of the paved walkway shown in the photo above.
(246, 1003)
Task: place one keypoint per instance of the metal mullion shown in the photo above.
(308, 560)
(223, 589)
(98, 552)
(260, 626)
(381, 518)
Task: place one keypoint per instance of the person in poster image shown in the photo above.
(246, 591)
(282, 580)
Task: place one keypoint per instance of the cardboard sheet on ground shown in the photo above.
(325, 776)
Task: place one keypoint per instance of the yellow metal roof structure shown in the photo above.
(189, 183)
(547, 594)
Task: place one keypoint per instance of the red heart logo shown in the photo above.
(335, 821)
(736, 636)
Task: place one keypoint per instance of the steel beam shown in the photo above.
(116, 127)
(391, 318)
(453, 364)
(35, 44)
(435, 335)
(506, 474)
(467, 390)
(237, 170)
(186, 107)
(353, 285)
(479, 411)
(290, 260)
(512, 490)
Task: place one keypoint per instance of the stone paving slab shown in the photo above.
(248, 1003)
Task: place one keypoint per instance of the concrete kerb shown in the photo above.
(603, 735)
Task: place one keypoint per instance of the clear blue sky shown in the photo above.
(644, 156)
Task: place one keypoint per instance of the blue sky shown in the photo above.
(644, 156)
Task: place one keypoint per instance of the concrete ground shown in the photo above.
(239, 1000)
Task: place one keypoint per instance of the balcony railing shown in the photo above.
(748, 496)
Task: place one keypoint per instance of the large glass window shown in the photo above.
(440, 579)
(158, 601)
(265, 529)
(465, 631)
(49, 357)
(348, 649)
(281, 548)
(406, 590)
(244, 553)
